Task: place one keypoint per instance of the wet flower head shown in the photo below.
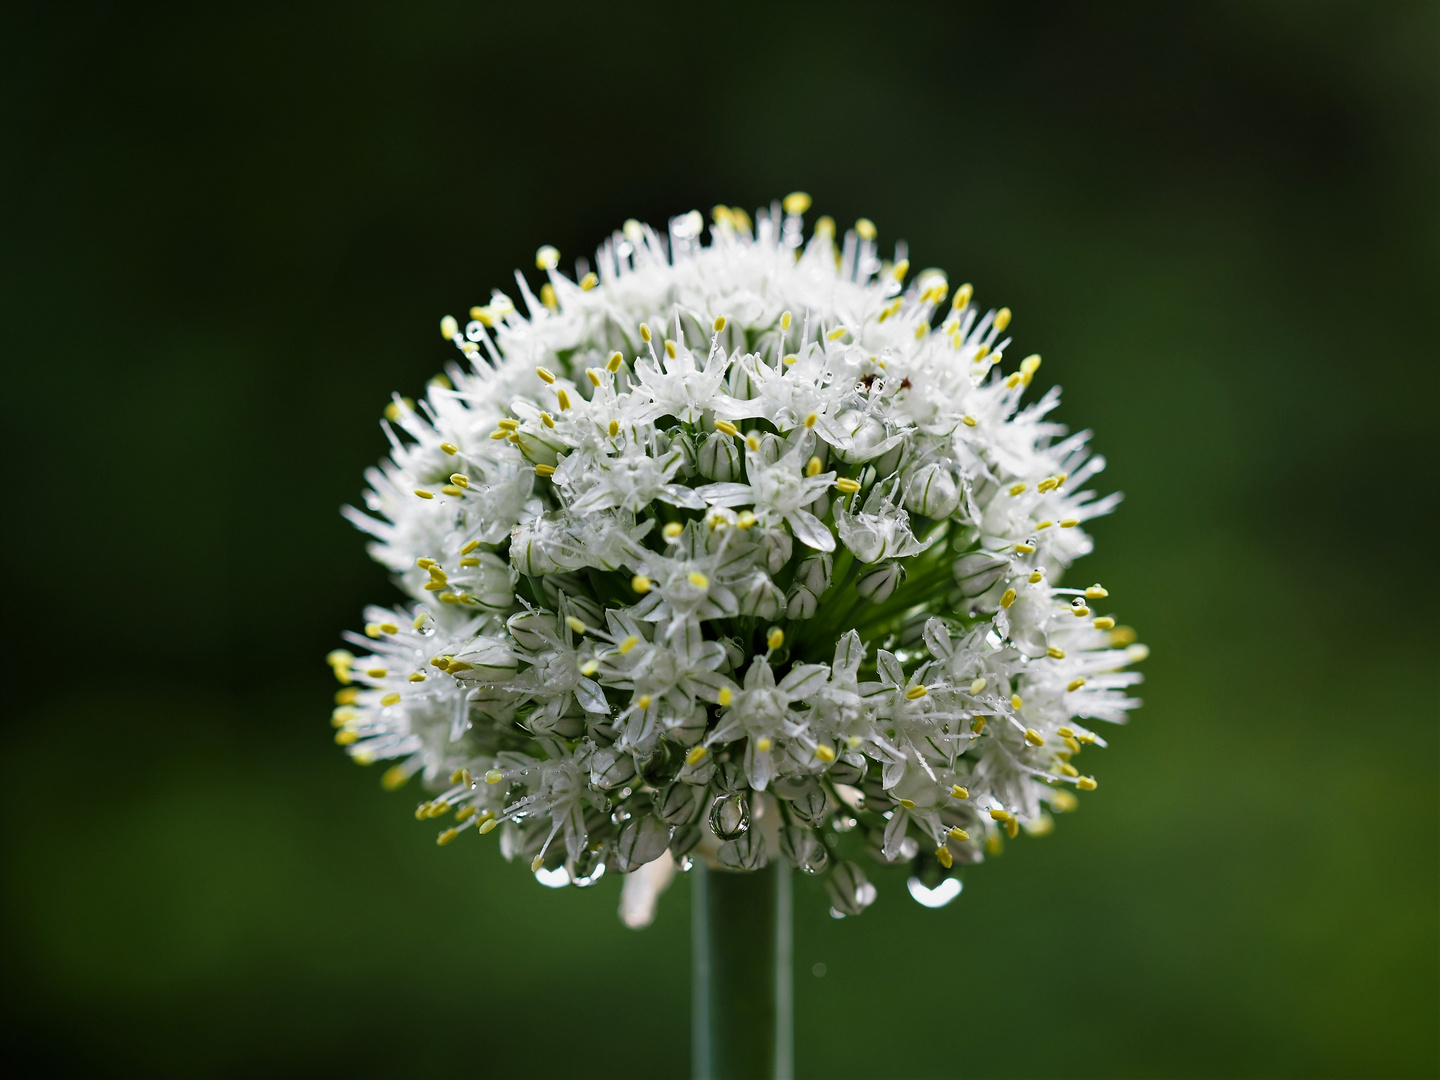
(747, 550)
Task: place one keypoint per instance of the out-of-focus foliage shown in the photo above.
(228, 237)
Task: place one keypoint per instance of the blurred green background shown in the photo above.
(228, 235)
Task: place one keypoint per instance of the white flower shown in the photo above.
(766, 520)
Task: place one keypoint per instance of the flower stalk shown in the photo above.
(741, 1006)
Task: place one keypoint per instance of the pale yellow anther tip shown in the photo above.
(696, 755)
(825, 753)
(547, 258)
(775, 638)
(449, 327)
(797, 202)
(865, 229)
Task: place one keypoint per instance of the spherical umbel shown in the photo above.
(744, 551)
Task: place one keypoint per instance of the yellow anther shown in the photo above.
(696, 755)
(449, 327)
(982, 352)
(1002, 318)
(775, 638)
(1104, 622)
(469, 547)
(812, 420)
(1065, 732)
(1062, 802)
(1122, 636)
(640, 583)
(563, 399)
(1086, 737)
(837, 333)
(1043, 524)
(494, 776)
(548, 297)
(435, 585)
(797, 202)
(725, 697)
(593, 376)
(1014, 380)
(499, 433)
(417, 676)
(1016, 701)
(450, 448)
(1036, 577)
(943, 857)
(394, 778)
(1096, 592)
(391, 698)
(699, 580)
(589, 667)
(389, 628)
(959, 834)
(460, 480)
(1000, 815)
(347, 697)
(1008, 598)
(968, 420)
(673, 530)
(465, 813)
(589, 281)
(344, 737)
(644, 332)
(746, 519)
(629, 643)
(727, 427)
(1075, 684)
(376, 672)
(1069, 523)
(1072, 744)
(978, 724)
(452, 489)
(847, 486)
(1018, 489)
(544, 470)
(486, 825)
(547, 419)
(575, 624)
(907, 804)
(813, 467)
(419, 620)
(1030, 364)
(1012, 828)
(372, 629)
(958, 792)
(547, 258)
(915, 693)
(977, 686)
(785, 321)
(901, 269)
(670, 348)
(1054, 653)
(1066, 769)
(1086, 783)
(791, 359)
(546, 375)
(1025, 547)
(446, 836)
(825, 753)
(963, 295)
(614, 428)
(865, 229)
(643, 701)
(613, 364)
(424, 494)
(1080, 612)
(764, 745)
(719, 323)
(1048, 484)
(1033, 737)
(752, 441)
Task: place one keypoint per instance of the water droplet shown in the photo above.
(553, 879)
(730, 817)
(937, 897)
(819, 971)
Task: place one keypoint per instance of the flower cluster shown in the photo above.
(747, 550)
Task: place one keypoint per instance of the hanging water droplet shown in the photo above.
(730, 816)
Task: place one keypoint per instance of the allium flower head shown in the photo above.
(750, 550)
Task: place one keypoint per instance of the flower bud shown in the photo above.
(977, 571)
(745, 853)
(531, 629)
(685, 446)
(642, 840)
(804, 848)
(865, 432)
(932, 492)
(678, 804)
(686, 730)
(850, 891)
(777, 546)
(610, 768)
(719, 458)
(814, 572)
(759, 596)
(879, 582)
(801, 603)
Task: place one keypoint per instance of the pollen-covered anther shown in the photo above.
(589, 281)
(727, 427)
(629, 643)
(764, 745)
(640, 583)
(1104, 622)
(958, 792)
(575, 624)
(670, 348)
(1075, 684)
(1033, 737)
(1017, 702)
(958, 834)
(725, 697)
(1086, 783)
(546, 375)
(847, 486)
(825, 753)
(696, 755)
(1069, 523)
(813, 467)
(672, 531)
(915, 693)
(544, 470)
(997, 814)
(775, 638)
(1007, 598)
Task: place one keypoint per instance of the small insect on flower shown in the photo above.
(757, 530)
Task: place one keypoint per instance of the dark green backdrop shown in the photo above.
(228, 237)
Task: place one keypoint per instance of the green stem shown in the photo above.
(741, 1026)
